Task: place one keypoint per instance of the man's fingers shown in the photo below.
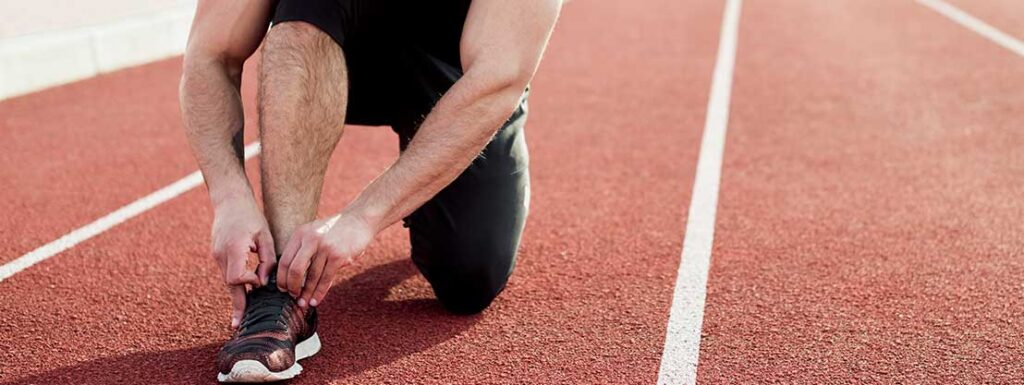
(316, 268)
(268, 258)
(287, 256)
(236, 272)
(297, 269)
(247, 278)
(326, 281)
(237, 304)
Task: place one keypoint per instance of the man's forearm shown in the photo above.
(454, 133)
(211, 108)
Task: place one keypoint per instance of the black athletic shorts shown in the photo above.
(402, 56)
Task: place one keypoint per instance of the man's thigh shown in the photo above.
(401, 55)
(465, 239)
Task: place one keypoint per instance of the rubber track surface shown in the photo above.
(869, 227)
(1005, 15)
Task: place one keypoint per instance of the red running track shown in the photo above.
(615, 124)
(1005, 15)
(868, 229)
(869, 224)
(75, 153)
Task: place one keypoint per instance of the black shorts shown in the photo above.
(402, 56)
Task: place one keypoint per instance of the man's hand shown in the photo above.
(239, 228)
(316, 251)
(224, 34)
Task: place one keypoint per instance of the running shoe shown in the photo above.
(275, 333)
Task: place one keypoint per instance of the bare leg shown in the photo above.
(303, 91)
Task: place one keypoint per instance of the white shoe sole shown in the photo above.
(254, 371)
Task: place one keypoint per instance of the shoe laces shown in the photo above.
(266, 309)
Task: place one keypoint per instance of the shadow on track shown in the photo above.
(360, 330)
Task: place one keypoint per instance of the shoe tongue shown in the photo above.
(267, 291)
(270, 287)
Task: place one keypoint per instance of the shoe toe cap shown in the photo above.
(274, 354)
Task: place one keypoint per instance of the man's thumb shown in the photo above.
(268, 258)
(237, 304)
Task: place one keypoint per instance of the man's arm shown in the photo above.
(501, 47)
(224, 34)
(502, 44)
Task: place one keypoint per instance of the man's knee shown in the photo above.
(293, 36)
(469, 284)
(468, 294)
(297, 48)
(301, 64)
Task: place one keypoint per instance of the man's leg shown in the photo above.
(465, 239)
(302, 96)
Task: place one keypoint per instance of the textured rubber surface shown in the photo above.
(868, 229)
(869, 220)
(1006, 15)
(75, 153)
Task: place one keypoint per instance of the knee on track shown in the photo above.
(471, 287)
(467, 297)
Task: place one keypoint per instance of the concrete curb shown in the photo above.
(37, 61)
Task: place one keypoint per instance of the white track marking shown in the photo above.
(682, 340)
(974, 24)
(108, 221)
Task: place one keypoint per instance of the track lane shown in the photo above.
(616, 116)
(72, 154)
(869, 224)
(1006, 15)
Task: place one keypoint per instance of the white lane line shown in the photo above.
(108, 221)
(977, 25)
(682, 341)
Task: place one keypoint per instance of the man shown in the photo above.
(449, 76)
